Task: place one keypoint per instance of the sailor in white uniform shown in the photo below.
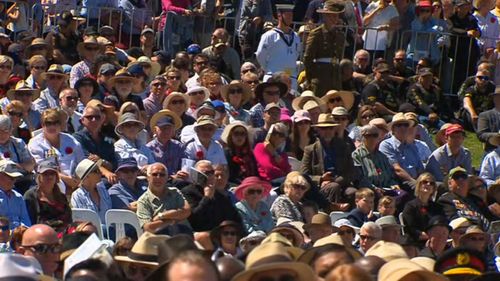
(280, 48)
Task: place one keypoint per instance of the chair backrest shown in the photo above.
(336, 215)
(294, 163)
(119, 218)
(401, 222)
(88, 215)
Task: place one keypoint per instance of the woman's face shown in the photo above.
(253, 194)
(197, 98)
(427, 187)
(214, 86)
(48, 178)
(235, 95)
(4, 136)
(366, 117)
(5, 69)
(277, 139)
(295, 192)
(229, 236)
(303, 126)
(38, 68)
(335, 101)
(51, 127)
(15, 117)
(239, 136)
(173, 80)
(177, 105)
(475, 241)
(130, 130)
(85, 91)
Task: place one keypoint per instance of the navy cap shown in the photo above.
(107, 68)
(136, 69)
(166, 120)
(127, 163)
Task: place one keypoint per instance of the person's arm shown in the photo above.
(307, 162)
(262, 51)
(168, 6)
(265, 162)
(25, 218)
(484, 132)
(409, 218)
(181, 213)
(200, 207)
(448, 207)
(470, 108)
(371, 12)
(487, 171)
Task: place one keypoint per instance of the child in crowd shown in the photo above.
(387, 206)
(364, 200)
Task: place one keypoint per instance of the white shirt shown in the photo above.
(490, 30)
(68, 155)
(375, 39)
(215, 153)
(188, 133)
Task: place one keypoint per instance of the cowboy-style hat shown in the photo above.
(144, 60)
(89, 41)
(145, 250)
(54, 69)
(471, 230)
(246, 91)
(173, 95)
(165, 117)
(322, 243)
(273, 256)
(398, 269)
(299, 102)
(399, 118)
(319, 219)
(23, 87)
(227, 130)
(259, 90)
(121, 74)
(346, 96)
(205, 120)
(332, 7)
(216, 232)
(326, 120)
(36, 43)
(127, 118)
(248, 182)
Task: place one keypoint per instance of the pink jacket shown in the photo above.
(177, 6)
(268, 169)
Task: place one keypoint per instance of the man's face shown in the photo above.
(286, 17)
(164, 133)
(205, 132)
(456, 139)
(4, 232)
(326, 263)
(271, 94)
(55, 82)
(208, 170)
(6, 182)
(46, 249)
(199, 64)
(158, 87)
(401, 130)
(123, 87)
(92, 118)
(482, 79)
(438, 235)
(367, 239)
(399, 59)
(362, 60)
(147, 39)
(458, 181)
(326, 133)
(69, 100)
(128, 175)
(157, 176)
(272, 116)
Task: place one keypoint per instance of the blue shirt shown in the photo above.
(490, 168)
(12, 206)
(122, 194)
(170, 154)
(81, 199)
(104, 148)
(442, 161)
(406, 155)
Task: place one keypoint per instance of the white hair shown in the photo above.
(373, 228)
(202, 162)
(150, 167)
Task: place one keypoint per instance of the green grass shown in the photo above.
(475, 147)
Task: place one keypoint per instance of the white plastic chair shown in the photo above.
(401, 221)
(336, 215)
(294, 163)
(88, 215)
(119, 218)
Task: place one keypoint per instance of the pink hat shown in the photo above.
(453, 129)
(285, 115)
(301, 115)
(252, 181)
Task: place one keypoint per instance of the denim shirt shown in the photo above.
(12, 206)
(81, 199)
(406, 155)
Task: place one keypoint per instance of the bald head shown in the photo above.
(228, 267)
(40, 241)
(39, 233)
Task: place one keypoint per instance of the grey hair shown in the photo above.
(64, 91)
(373, 228)
(150, 167)
(361, 51)
(202, 162)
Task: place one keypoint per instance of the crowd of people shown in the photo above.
(273, 158)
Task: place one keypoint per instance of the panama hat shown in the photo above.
(259, 90)
(89, 41)
(319, 219)
(398, 269)
(346, 96)
(387, 251)
(273, 256)
(172, 95)
(205, 120)
(471, 230)
(165, 117)
(127, 118)
(144, 60)
(299, 102)
(425, 262)
(145, 250)
(325, 120)
(248, 182)
(54, 69)
(35, 43)
(85, 167)
(247, 92)
(195, 89)
(121, 74)
(227, 130)
(332, 7)
(23, 87)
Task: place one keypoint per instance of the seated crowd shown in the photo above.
(265, 174)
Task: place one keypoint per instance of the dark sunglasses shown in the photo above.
(425, 10)
(93, 117)
(4, 227)
(300, 187)
(335, 100)
(426, 182)
(399, 59)
(161, 175)
(159, 84)
(229, 233)
(71, 98)
(178, 102)
(45, 248)
(235, 91)
(254, 191)
(404, 125)
(39, 67)
(173, 77)
(197, 93)
(51, 123)
(460, 176)
(15, 113)
(483, 77)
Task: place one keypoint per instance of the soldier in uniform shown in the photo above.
(324, 50)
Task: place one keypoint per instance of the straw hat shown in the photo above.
(325, 120)
(127, 118)
(273, 256)
(248, 182)
(276, 237)
(495, 140)
(121, 74)
(332, 7)
(323, 243)
(198, 89)
(164, 117)
(37, 42)
(299, 102)
(54, 69)
(89, 41)
(227, 130)
(387, 251)
(247, 92)
(85, 167)
(205, 120)
(143, 60)
(399, 118)
(346, 96)
(471, 230)
(174, 95)
(23, 87)
(320, 219)
(397, 269)
(145, 250)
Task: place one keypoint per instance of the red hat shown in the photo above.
(252, 181)
(453, 129)
(424, 4)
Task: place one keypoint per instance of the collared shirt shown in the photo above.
(258, 219)
(423, 150)
(152, 104)
(406, 155)
(48, 99)
(489, 28)
(490, 168)
(442, 161)
(188, 133)
(122, 194)
(16, 150)
(12, 206)
(81, 199)
(215, 153)
(125, 148)
(68, 155)
(78, 71)
(104, 148)
(170, 154)
(375, 167)
(150, 205)
(375, 39)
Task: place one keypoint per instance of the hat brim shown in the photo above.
(346, 96)
(227, 130)
(113, 79)
(323, 11)
(155, 67)
(94, 166)
(247, 92)
(299, 102)
(303, 271)
(11, 94)
(260, 89)
(129, 260)
(323, 125)
(239, 192)
(44, 75)
(298, 235)
(197, 89)
(119, 125)
(204, 123)
(81, 45)
(165, 113)
(13, 174)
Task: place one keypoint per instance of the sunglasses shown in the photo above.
(54, 77)
(158, 175)
(51, 123)
(483, 77)
(272, 93)
(425, 10)
(88, 48)
(460, 176)
(239, 134)
(254, 191)
(426, 182)
(196, 93)
(173, 78)
(93, 117)
(367, 237)
(299, 187)
(15, 113)
(44, 248)
(404, 125)
(335, 100)
(4, 227)
(71, 98)
(229, 233)
(39, 67)
(235, 91)
(174, 102)
(160, 84)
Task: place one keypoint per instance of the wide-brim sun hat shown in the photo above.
(36, 42)
(227, 130)
(259, 90)
(54, 69)
(198, 89)
(145, 251)
(399, 268)
(299, 102)
(122, 74)
(160, 117)
(127, 118)
(326, 120)
(346, 96)
(89, 41)
(172, 95)
(400, 118)
(248, 182)
(247, 92)
(22, 86)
